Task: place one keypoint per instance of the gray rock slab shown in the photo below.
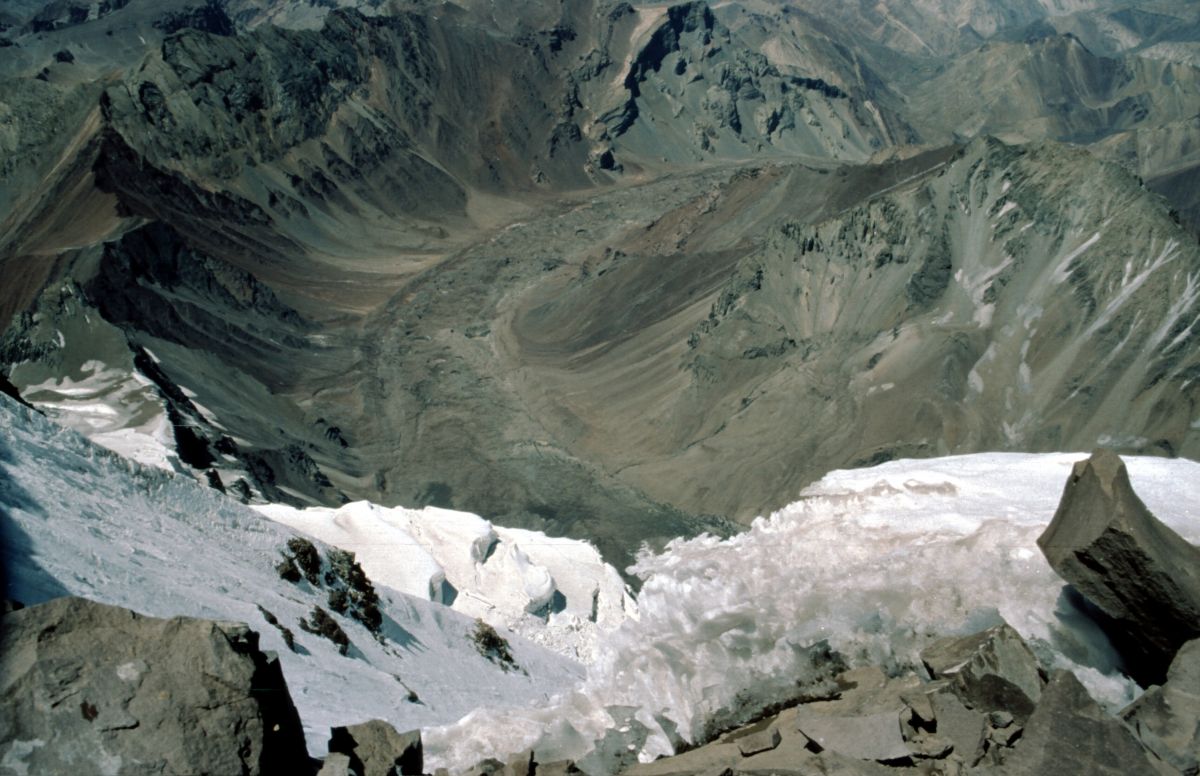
(760, 741)
(1105, 542)
(1069, 733)
(1167, 719)
(88, 688)
(993, 670)
(963, 727)
(336, 764)
(866, 737)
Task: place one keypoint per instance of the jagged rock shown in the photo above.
(556, 768)
(920, 708)
(1105, 542)
(1069, 733)
(965, 727)
(793, 753)
(376, 749)
(990, 670)
(91, 688)
(1167, 718)
(1000, 719)
(520, 765)
(930, 747)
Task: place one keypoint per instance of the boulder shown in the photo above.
(521, 764)
(1167, 719)
(376, 749)
(91, 688)
(993, 670)
(1105, 542)
(1069, 733)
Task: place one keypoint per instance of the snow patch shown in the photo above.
(115, 408)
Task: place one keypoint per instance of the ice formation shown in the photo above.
(873, 561)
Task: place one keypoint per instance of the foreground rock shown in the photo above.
(987, 710)
(1069, 733)
(1105, 542)
(375, 749)
(1167, 719)
(90, 688)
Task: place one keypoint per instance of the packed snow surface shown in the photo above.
(557, 592)
(875, 561)
(76, 519)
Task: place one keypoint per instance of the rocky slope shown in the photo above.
(982, 303)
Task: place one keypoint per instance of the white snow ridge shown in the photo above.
(873, 562)
(557, 592)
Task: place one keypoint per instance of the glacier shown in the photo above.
(556, 592)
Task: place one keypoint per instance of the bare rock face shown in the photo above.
(1167, 719)
(91, 688)
(1105, 542)
(375, 749)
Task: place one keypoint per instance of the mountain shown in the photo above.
(381, 324)
(620, 272)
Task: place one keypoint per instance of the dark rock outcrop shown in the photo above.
(1105, 542)
(1167, 719)
(375, 749)
(91, 688)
